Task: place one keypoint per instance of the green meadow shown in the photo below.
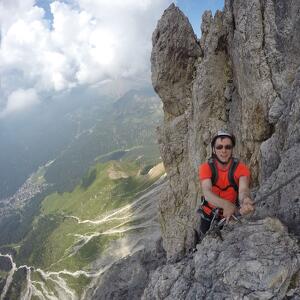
(73, 228)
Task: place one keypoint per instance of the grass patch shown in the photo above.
(58, 236)
(77, 284)
(63, 236)
(89, 178)
(34, 250)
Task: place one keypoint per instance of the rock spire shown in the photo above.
(243, 75)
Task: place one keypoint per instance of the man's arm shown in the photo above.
(228, 207)
(247, 205)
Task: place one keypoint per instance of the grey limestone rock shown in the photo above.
(243, 75)
(256, 260)
(127, 278)
(172, 81)
(175, 51)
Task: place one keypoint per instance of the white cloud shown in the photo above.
(88, 42)
(20, 100)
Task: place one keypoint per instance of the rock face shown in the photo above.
(174, 56)
(243, 75)
(242, 266)
(126, 264)
(127, 278)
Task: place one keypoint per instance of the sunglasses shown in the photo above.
(227, 147)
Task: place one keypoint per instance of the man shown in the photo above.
(225, 182)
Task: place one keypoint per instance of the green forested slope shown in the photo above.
(74, 228)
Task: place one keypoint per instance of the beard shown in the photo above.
(222, 161)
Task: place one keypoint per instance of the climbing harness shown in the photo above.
(216, 226)
(214, 178)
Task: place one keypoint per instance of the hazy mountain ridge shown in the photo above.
(72, 132)
(33, 138)
(81, 149)
(109, 132)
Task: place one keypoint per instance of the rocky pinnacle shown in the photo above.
(243, 75)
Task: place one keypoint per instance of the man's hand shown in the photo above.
(247, 206)
(228, 210)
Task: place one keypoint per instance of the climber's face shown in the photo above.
(223, 149)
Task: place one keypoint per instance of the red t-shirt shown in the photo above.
(230, 194)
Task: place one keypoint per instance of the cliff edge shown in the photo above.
(243, 75)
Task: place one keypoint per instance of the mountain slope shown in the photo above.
(79, 234)
(129, 122)
(72, 130)
(99, 134)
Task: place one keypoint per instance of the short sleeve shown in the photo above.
(242, 170)
(204, 171)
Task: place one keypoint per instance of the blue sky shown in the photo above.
(194, 9)
(50, 47)
(45, 4)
